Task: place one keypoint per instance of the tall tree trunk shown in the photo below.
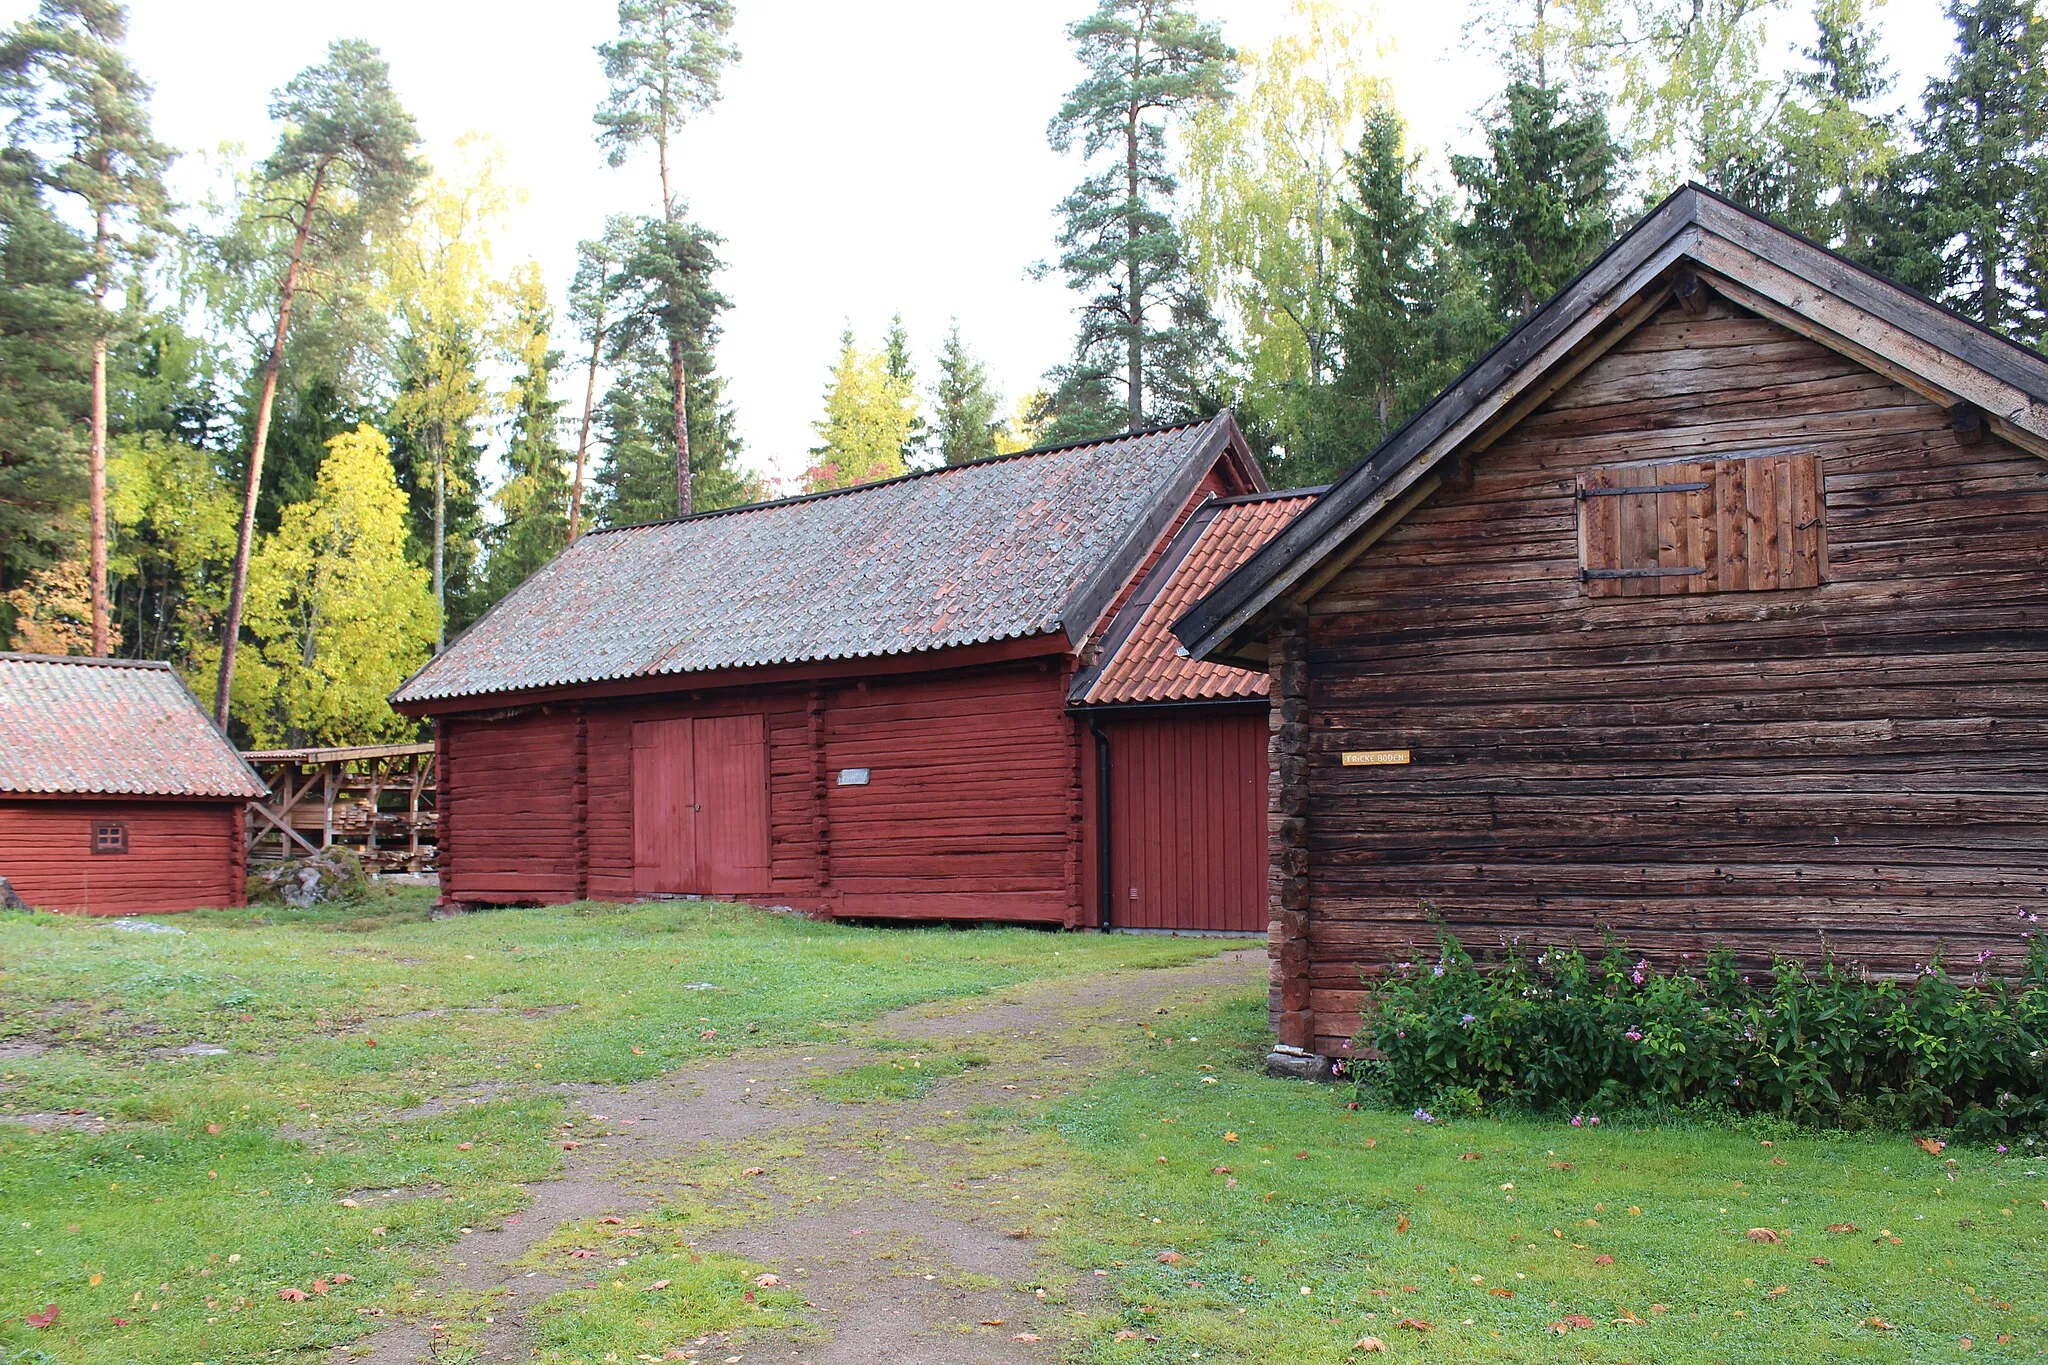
(261, 438)
(440, 544)
(680, 379)
(1134, 300)
(583, 438)
(102, 634)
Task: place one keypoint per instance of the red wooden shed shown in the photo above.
(117, 795)
(853, 702)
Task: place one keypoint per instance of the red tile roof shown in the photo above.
(1142, 661)
(997, 549)
(110, 727)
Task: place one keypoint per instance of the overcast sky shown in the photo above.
(869, 156)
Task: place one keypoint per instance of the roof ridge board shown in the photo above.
(86, 660)
(1273, 495)
(796, 499)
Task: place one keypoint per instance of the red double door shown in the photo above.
(700, 805)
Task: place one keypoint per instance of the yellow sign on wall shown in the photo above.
(1375, 758)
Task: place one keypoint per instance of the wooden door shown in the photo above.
(732, 803)
(664, 821)
(1187, 826)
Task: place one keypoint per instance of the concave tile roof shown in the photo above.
(1142, 661)
(998, 549)
(110, 727)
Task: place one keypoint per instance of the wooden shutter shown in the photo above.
(1735, 525)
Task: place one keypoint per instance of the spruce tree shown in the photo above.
(533, 522)
(964, 406)
(1542, 199)
(1964, 217)
(1145, 325)
(903, 369)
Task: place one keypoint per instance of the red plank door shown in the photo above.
(700, 805)
(664, 792)
(1187, 827)
(732, 804)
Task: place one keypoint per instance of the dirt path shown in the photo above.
(916, 1230)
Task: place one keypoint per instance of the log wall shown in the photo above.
(182, 855)
(971, 808)
(1861, 766)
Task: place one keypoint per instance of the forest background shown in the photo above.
(1251, 218)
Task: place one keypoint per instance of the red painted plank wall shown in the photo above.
(972, 807)
(1188, 820)
(508, 803)
(182, 855)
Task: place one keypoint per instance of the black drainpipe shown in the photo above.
(1103, 873)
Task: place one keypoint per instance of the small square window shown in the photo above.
(109, 836)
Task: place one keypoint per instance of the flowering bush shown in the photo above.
(1819, 1045)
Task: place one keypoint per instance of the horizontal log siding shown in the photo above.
(508, 801)
(1864, 764)
(182, 855)
(970, 807)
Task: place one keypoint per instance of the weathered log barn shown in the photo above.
(1708, 608)
(854, 702)
(117, 795)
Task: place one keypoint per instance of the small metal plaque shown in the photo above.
(853, 777)
(1375, 758)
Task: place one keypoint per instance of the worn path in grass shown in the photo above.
(892, 1188)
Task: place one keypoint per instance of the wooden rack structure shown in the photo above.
(379, 800)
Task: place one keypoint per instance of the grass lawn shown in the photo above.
(1250, 1219)
(1235, 1216)
(422, 1055)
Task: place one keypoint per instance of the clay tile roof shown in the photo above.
(997, 549)
(1142, 661)
(110, 727)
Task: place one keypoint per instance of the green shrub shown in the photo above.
(1817, 1045)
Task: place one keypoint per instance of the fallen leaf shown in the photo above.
(1372, 1142)
(767, 1281)
(582, 1254)
(1219, 1170)
(1301, 1156)
(570, 1145)
(1628, 1319)
(1603, 1260)
(639, 1052)
(96, 1279)
(998, 1322)
(1413, 1324)
(1820, 1260)
(319, 1286)
(1931, 1146)
(755, 1170)
(1880, 1324)
(1762, 1235)
(1843, 1227)
(1230, 1137)
(464, 1146)
(350, 1204)
(213, 1128)
(1401, 1224)
(1169, 1258)
(1027, 1336)
(1370, 1345)
(1777, 1161)
(1966, 1344)
(376, 1232)
(369, 1042)
(658, 1284)
(1502, 1293)
(1125, 1335)
(1018, 1233)
(609, 1221)
(1468, 1156)
(341, 1279)
(1779, 1292)
(292, 1294)
(1660, 1308)
(1160, 1160)
(46, 1318)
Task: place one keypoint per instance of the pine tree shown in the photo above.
(964, 407)
(1964, 217)
(1145, 325)
(533, 524)
(344, 164)
(663, 67)
(46, 331)
(1542, 199)
(65, 77)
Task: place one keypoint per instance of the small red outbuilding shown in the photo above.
(117, 795)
